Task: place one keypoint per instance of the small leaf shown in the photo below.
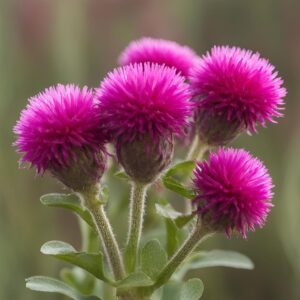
(153, 258)
(91, 262)
(51, 285)
(181, 169)
(192, 289)
(181, 221)
(167, 211)
(138, 279)
(171, 236)
(220, 258)
(214, 258)
(104, 194)
(122, 175)
(78, 278)
(171, 291)
(68, 201)
(173, 185)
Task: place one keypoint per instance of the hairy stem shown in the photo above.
(105, 231)
(136, 217)
(197, 151)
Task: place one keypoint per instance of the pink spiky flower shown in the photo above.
(159, 51)
(234, 191)
(59, 131)
(144, 106)
(234, 89)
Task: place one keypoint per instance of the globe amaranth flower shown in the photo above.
(142, 107)
(159, 51)
(234, 89)
(234, 191)
(59, 131)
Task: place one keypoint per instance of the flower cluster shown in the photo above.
(161, 89)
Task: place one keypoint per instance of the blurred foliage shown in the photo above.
(43, 42)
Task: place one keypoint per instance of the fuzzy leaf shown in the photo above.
(168, 212)
(138, 279)
(182, 169)
(214, 258)
(104, 194)
(153, 258)
(91, 262)
(172, 240)
(78, 278)
(122, 175)
(192, 289)
(220, 258)
(68, 201)
(175, 186)
(51, 285)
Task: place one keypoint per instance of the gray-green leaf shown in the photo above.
(138, 279)
(192, 289)
(91, 262)
(51, 285)
(175, 186)
(153, 258)
(181, 169)
(214, 258)
(220, 258)
(68, 201)
(122, 175)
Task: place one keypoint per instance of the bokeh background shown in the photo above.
(43, 42)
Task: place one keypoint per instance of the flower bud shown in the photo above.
(143, 161)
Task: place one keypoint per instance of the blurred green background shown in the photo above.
(43, 42)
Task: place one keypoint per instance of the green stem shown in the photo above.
(198, 235)
(197, 151)
(105, 231)
(136, 217)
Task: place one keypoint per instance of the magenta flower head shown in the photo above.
(159, 51)
(234, 89)
(142, 107)
(59, 131)
(233, 191)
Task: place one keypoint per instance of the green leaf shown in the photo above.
(122, 175)
(51, 285)
(176, 174)
(192, 289)
(220, 258)
(68, 201)
(138, 279)
(153, 258)
(181, 221)
(181, 169)
(104, 194)
(91, 262)
(168, 212)
(171, 291)
(173, 185)
(78, 278)
(172, 240)
(214, 258)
